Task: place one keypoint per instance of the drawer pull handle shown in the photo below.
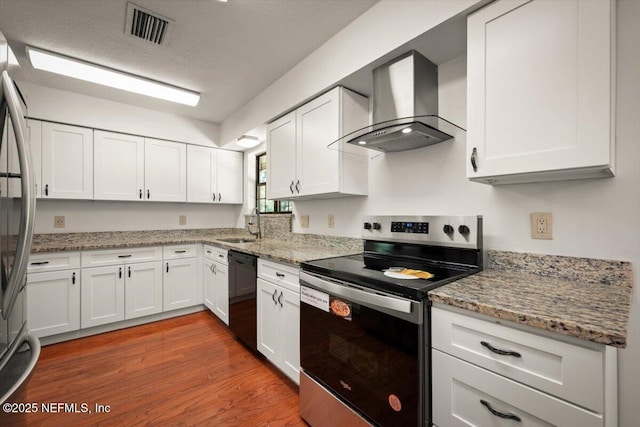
(167, 267)
(120, 273)
(500, 414)
(280, 299)
(273, 297)
(179, 252)
(73, 278)
(124, 256)
(279, 274)
(500, 352)
(40, 263)
(129, 271)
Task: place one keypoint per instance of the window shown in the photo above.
(265, 205)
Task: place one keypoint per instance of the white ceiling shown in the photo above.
(229, 52)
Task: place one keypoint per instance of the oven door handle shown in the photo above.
(360, 297)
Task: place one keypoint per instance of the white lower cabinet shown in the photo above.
(143, 289)
(182, 287)
(120, 284)
(216, 282)
(53, 302)
(490, 372)
(102, 295)
(278, 316)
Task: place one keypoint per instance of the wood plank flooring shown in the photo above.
(184, 371)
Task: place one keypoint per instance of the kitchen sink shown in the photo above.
(237, 240)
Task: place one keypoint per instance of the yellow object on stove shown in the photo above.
(418, 273)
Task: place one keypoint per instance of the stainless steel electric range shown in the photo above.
(365, 320)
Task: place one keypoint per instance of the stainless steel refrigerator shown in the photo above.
(19, 351)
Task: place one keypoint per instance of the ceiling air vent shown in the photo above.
(147, 25)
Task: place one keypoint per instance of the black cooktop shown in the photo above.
(367, 270)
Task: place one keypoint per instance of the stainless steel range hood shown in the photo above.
(405, 108)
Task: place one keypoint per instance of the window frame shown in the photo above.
(278, 205)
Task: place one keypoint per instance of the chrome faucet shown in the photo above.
(254, 219)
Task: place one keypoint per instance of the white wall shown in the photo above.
(381, 29)
(68, 107)
(87, 215)
(592, 218)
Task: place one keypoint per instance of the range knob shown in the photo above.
(367, 226)
(377, 226)
(447, 229)
(464, 230)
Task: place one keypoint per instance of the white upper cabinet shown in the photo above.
(214, 176)
(118, 166)
(299, 163)
(229, 176)
(67, 161)
(281, 157)
(540, 91)
(165, 171)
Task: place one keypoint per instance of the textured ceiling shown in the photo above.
(229, 52)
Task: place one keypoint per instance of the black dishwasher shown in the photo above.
(243, 272)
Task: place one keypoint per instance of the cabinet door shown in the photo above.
(209, 285)
(102, 295)
(201, 174)
(34, 134)
(290, 333)
(118, 166)
(317, 126)
(221, 290)
(539, 89)
(67, 161)
(165, 171)
(181, 287)
(143, 289)
(268, 312)
(281, 157)
(53, 302)
(229, 176)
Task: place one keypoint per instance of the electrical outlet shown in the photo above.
(304, 221)
(331, 221)
(58, 222)
(541, 225)
(183, 220)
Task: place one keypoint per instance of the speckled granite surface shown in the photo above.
(289, 248)
(579, 297)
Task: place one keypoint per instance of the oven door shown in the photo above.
(364, 347)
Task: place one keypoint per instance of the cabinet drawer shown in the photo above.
(53, 261)
(565, 370)
(460, 388)
(179, 251)
(121, 256)
(281, 274)
(216, 254)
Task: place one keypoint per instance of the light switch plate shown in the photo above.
(183, 220)
(304, 221)
(331, 221)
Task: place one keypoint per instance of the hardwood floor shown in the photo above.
(183, 371)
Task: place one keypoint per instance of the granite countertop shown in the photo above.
(289, 248)
(580, 297)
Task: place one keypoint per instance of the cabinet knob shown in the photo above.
(464, 230)
(447, 229)
(474, 158)
(367, 226)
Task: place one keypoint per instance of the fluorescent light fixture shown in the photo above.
(362, 142)
(406, 130)
(54, 63)
(248, 141)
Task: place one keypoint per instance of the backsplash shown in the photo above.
(278, 226)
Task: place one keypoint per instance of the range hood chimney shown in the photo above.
(405, 107)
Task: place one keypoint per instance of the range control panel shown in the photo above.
(455, 231)
(409, 227)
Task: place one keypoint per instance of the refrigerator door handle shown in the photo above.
(28, 200)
